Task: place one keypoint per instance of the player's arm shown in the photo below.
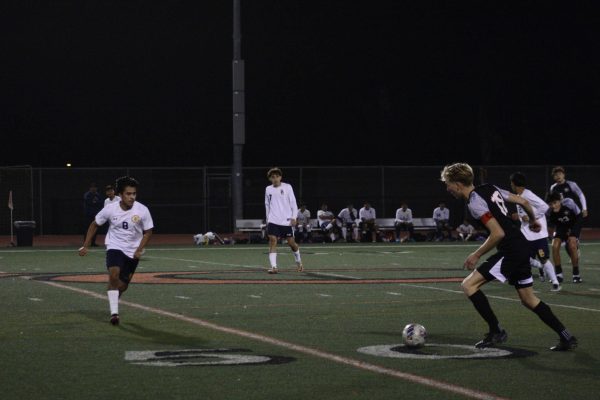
(575, 188)
(267, 207)
(293, 205)
(496, 235)
(83, 250)
(524, 203)
(145, 239)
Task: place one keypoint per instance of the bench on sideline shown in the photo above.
(384, 224)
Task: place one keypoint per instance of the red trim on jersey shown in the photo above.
(485, 218)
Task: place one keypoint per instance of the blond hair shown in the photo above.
(457, 172)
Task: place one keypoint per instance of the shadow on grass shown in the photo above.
(161, 337)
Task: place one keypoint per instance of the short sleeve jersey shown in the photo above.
(488, 201)
(126, 227)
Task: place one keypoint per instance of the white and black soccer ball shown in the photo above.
(414, 335)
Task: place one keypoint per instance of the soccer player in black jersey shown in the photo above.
(488, 203)
(567, 219)
(568, 189)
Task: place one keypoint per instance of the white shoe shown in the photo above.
(272, 270)
(299, 267)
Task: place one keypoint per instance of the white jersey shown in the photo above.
(539, 209)
(404, 216)
(466, 229)
(108, 201)
(321, 214)
(348, 217)
(126, 227)
(441, 214)
(280, 204)
(303, 217)
(365, 214)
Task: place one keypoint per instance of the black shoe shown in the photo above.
(114, 319)
(577, 279)
(559, 277)
(491, 339)
(565, 345)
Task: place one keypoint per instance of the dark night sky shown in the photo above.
(147, 83)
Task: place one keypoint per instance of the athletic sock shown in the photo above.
(482, 305)
(297, 256)
(535, 263)
(547, 316)
(113, 301)
(575, 270)
(273, 259)
(344, 232)
(549, 271)
(558, 269)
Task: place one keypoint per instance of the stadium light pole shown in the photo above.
(239, 115)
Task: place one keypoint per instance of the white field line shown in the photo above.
(421, 380)
(499, 297)
(207, 262)
(333, 275)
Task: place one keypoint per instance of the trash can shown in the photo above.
(24, 232)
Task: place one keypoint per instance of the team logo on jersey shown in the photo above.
(135, 219)
(282, 192)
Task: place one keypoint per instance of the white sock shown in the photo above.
(550, 272)
(273, 259)
(344, 232)
(297, 256)
(535, 263)
(355, 234)
(332, 236)
(113, 301)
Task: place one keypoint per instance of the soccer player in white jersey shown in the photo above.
(303, 223)
(128, 233)
(348, 217)
(281, 210)
(367, 217)
(111, 197)
(537, 240)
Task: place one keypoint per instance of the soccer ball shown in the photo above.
(414, 335)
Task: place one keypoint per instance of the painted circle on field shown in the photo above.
(462, 352)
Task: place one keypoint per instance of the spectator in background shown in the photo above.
(466, 231)
(348, 217)
(92, 204)
(568, 189)
(403, 222)
(326, 221)
(303, 224)
(441, 216)
(367, 217)
(111, 197)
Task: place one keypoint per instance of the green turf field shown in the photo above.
(214, 325)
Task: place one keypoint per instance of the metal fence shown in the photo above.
(191, 200)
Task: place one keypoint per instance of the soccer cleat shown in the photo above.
(577, 279)
(299, 267)
(272, 270)
(491, 339)
(565, 345)
(555, 287)
(114, 319)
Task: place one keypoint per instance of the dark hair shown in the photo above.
(518, 179)
(274, 171)
(558, 168)
(554, 197)
(109, 187)
(125, 181)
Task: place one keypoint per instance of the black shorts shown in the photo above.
(539, 248)
(564, 232)
(127, 266)
(279, 231)
(513, 268)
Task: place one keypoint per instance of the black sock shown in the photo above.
(482, 305)
(575, 270)
(546, 315)
(558, 269)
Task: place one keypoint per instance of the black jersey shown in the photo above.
(488, 201)
(568, 214)
(569, 190)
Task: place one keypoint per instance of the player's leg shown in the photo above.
(543, 254)
(296, 251)
(544, 312)
(471, 286)
(273, 239)
(373, 228)
(572, 244)
(556, 243)
(397, 232)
